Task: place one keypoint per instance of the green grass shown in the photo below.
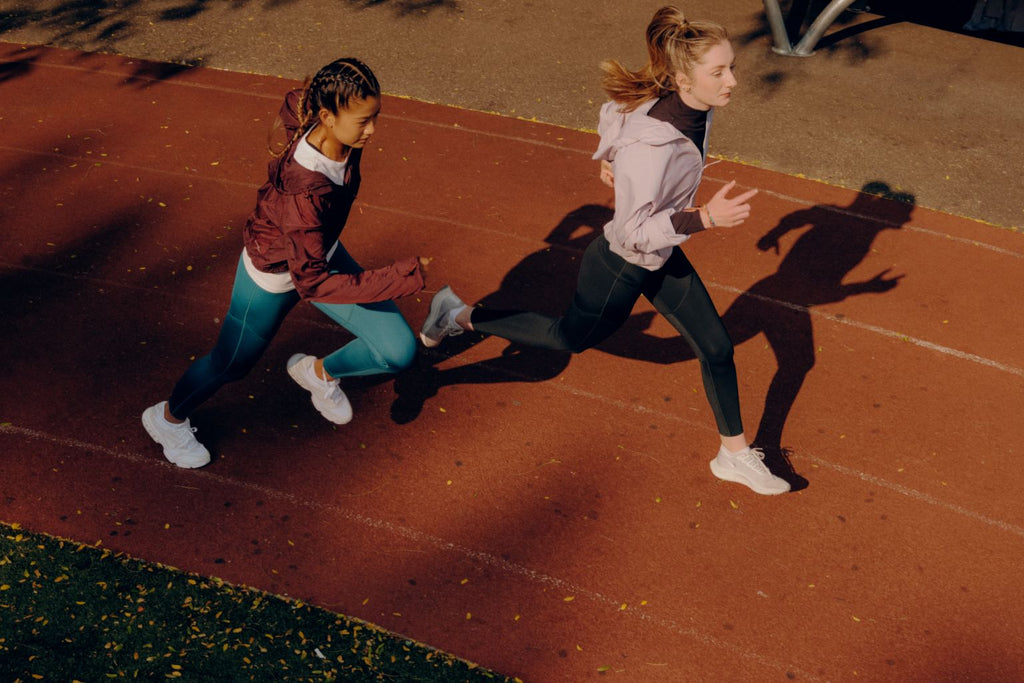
(72, 612)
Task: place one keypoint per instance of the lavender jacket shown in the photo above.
(657, 172)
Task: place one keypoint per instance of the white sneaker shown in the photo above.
(439, 324)
(179, 440)
(747, 468)
(328, 397)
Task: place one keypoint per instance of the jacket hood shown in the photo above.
(288, 176)
(619, 129)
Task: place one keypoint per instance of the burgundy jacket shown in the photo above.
(299, 215)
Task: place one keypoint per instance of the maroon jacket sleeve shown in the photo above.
(307, 263)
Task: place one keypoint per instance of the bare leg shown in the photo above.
(167, 414)
(318, 367)
(734, 444)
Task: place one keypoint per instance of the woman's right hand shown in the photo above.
(728, 212)
(607, 177)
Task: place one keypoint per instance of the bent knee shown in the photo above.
(720, 353)
(398, 356)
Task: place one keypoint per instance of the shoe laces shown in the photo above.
(452, 328)
(331, 389)
(184, 436)
(754, 459)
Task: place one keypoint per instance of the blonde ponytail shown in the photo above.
(674, 44)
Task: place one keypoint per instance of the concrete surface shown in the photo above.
(929, 111)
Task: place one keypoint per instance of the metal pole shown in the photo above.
(828, 15)
(804, 48)
(778, 25)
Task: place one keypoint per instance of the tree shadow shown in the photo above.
(17, 68)
(22, 61)
(96, 20)
(810, 274)
(406, 8)
(100, 26)
(534, 284)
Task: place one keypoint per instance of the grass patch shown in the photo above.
(73, 612)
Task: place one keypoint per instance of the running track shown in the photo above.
(547, 517)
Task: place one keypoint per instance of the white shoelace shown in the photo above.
(753, 459)
(452, 328)
(332, 390)
(184, 437)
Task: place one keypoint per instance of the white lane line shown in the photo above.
(916, 495)
(501, 136)
(850, 472)
(409, 534)
(892, 334)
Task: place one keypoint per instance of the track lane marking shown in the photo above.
(409, 534)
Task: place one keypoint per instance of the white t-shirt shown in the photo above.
(309, 157)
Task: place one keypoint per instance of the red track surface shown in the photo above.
(541, 515)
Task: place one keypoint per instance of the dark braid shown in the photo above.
(332, 88)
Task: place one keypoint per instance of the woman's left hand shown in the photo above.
(728, 212)
(423, 262)
(607, 177)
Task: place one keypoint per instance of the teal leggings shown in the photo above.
(384, 342)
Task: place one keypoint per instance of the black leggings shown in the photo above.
(607, 288)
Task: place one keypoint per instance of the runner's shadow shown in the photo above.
(536, 284)
(810, 274)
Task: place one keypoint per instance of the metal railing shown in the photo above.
(806, 44)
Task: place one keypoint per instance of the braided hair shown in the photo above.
(332, 88)
(674, 44)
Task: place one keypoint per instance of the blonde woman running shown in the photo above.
(654, 135)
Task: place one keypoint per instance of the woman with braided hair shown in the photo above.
(292, 252)
(653, 140)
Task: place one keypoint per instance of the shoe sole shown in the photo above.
(728, 475)
(428, 342)
(147, 424)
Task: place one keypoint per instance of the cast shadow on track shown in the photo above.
(142, 73)
(811, 273)
(542, 281)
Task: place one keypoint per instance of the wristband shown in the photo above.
(711, 220)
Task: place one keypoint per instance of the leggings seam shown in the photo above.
(234, 353)
(617, 274)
